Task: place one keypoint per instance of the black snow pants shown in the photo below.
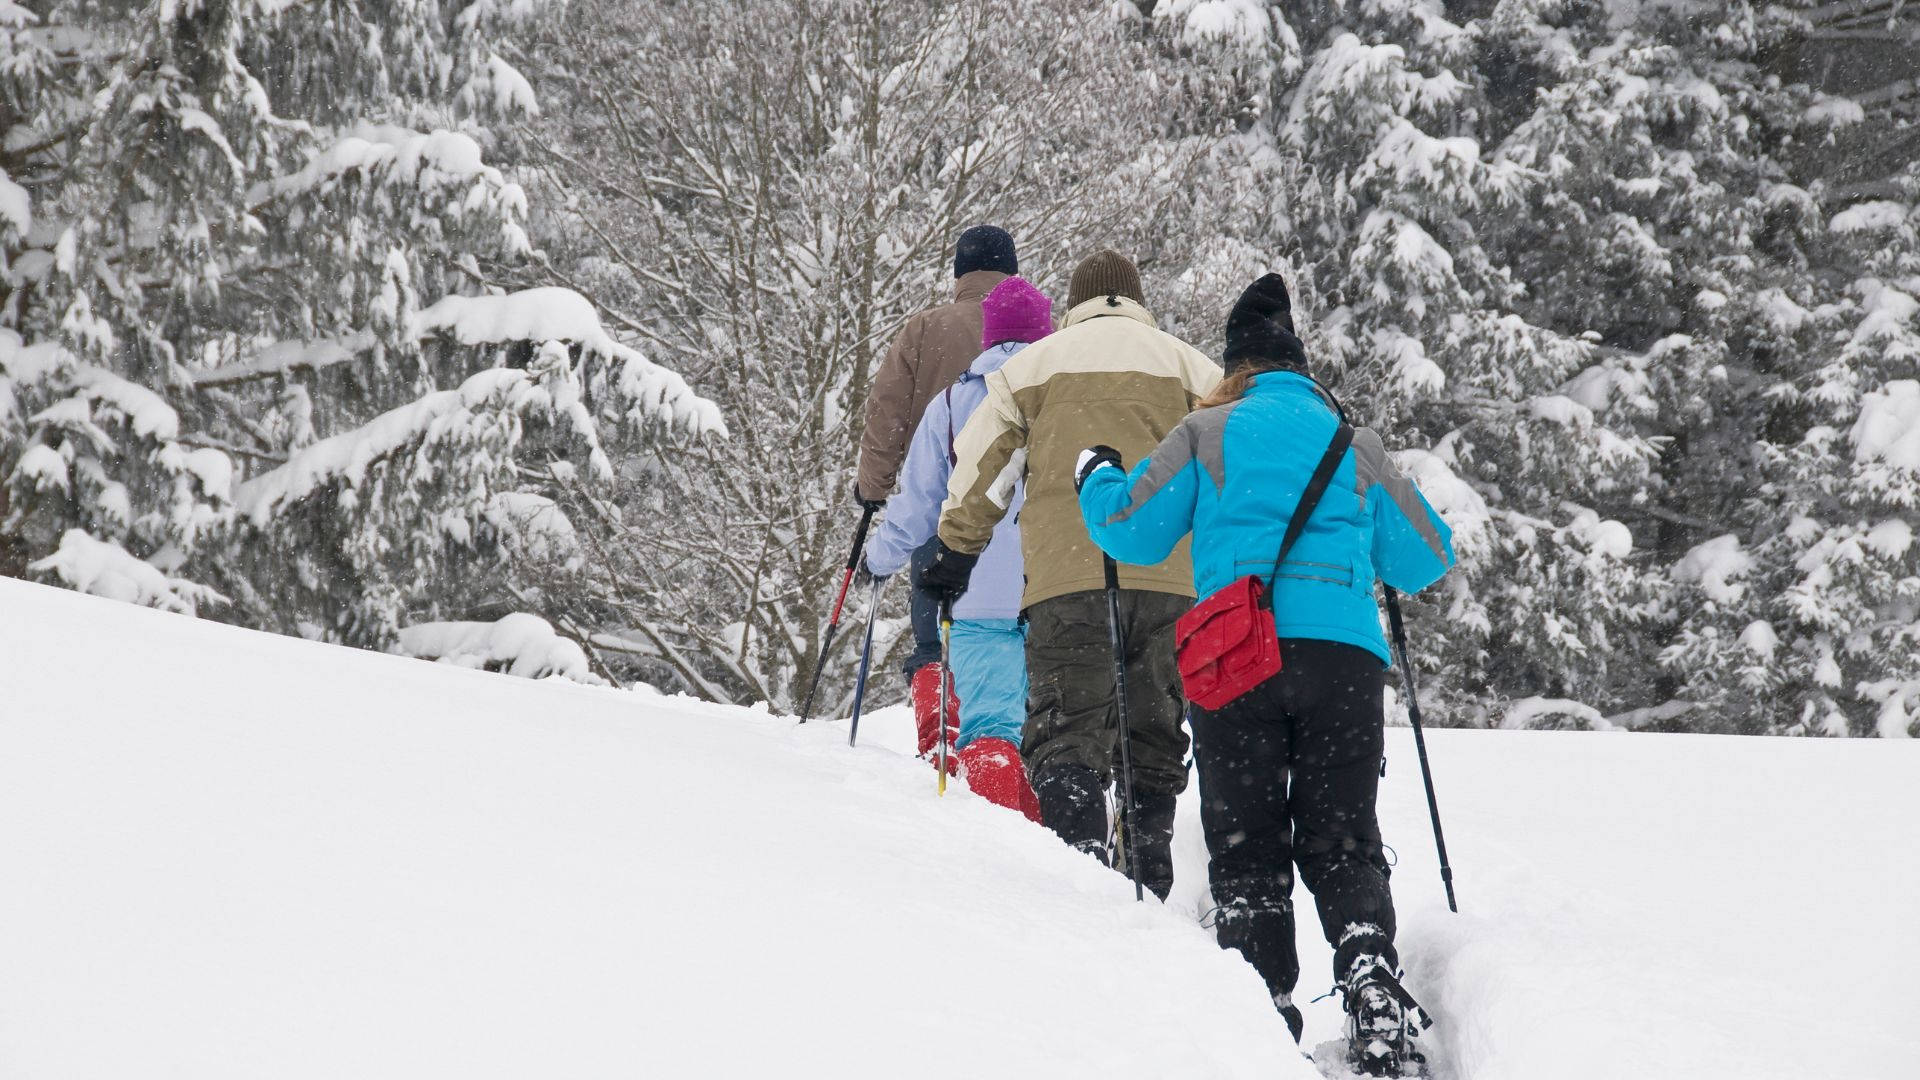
(1071, 739)
(923, 613)
(1288, 774)
(1072, 712)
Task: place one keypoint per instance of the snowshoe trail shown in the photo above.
(483, 876)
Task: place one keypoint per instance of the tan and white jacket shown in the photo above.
(1108, 376)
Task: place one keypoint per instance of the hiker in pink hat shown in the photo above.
(989, 677)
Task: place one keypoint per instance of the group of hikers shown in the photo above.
(1064, 490)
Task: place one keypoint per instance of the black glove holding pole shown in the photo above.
(864, 503)
(945, 578)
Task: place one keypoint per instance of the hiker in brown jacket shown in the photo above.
(930, 352)
(1108, 376)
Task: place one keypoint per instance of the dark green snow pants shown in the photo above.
(1071, 718)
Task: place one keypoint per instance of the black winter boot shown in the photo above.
(1291, 1014)
(1074, 806)
(1255, 917)
(1153, 841)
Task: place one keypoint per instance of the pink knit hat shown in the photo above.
(1015, 311)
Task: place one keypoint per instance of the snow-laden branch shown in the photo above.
(104, 568)
(519, 644)
(552, 313)
(540, 528)
(422, 159)
(1886, 438)
(499, 86)
(441, 416)
(284, 356)
(442, 169)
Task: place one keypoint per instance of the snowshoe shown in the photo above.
(1382, 1020)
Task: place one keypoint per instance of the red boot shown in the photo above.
(926, 710)
(995, 773)
(1029, 802)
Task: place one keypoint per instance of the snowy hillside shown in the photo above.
(226, 854)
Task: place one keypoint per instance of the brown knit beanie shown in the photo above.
(1105, 273)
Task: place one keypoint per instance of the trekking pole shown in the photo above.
(1420, 740)
(833, 623)
(946, 680)
(866, 662)
(1126, 731)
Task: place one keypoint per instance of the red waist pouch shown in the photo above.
(1226, 645)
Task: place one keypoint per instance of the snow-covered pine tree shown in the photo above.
(763, 192)
(227, 373)
(1365, 150)
(1744, 248)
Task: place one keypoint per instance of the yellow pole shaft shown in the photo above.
(946, 678)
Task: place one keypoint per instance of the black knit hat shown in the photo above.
(1104, 273)
(1260, 329)
(984, 247)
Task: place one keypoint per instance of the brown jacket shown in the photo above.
(1108, 376)
(931, 351)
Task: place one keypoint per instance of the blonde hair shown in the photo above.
(1233, 387)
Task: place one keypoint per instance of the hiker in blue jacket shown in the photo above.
(989, 677)
(1290, 769)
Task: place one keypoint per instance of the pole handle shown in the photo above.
(860, 535)
(853, 562)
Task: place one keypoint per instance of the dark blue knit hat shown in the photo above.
(984, 247)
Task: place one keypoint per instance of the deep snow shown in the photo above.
(227, 854)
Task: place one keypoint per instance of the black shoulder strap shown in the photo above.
(1316, 487)
(953, 459)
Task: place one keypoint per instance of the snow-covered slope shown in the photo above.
(226, 854)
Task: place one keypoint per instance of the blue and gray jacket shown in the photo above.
(999, 577)
(1233, 475)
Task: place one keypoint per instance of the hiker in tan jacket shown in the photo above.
(1108, 376)
(931, 351)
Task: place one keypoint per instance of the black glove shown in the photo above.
(1093, 457)
(865, 503)
(945, 578)
(864, 577)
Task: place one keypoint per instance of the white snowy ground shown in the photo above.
(226, 854)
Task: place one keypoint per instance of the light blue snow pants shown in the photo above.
(990, 677)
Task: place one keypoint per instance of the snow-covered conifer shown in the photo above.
(233, 231)
(1753, 290)
(1375, 194)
